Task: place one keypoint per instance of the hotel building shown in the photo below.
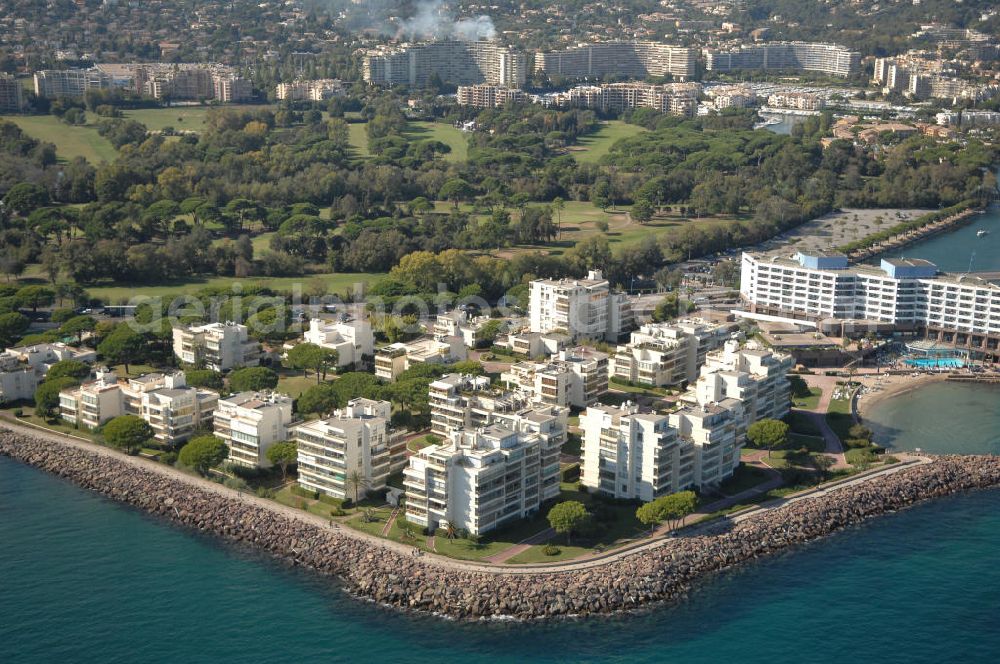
(786, 56)
(487, 477)
(457, 62)
(579, 308)
(632, 59)
(217, 346)
(250, 423)
(901, 295)
(355, 439)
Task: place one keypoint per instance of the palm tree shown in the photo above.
(357, 481)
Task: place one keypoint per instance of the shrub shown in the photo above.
(330, 500)
(550, 550)
(857, 443)
(860, 456)
(336, 511)
(235, 483)
(169, 458)
(859, 431)
(18, 412)
(887, 459)
(265, 492)
(302, 492)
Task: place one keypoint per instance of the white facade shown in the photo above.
(355, 439)
(250, 423)
(315, 90)
(485, 478)
(352, 339)
(668, 354)
(458, 323)
(220, 346)
(394, 359)
(576, 377)
(23, 368)
(641, 456)
(581, 308)
(165, 402)
(902, 292)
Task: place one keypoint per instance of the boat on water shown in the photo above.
(981, 232)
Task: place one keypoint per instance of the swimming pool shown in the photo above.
(936, 362)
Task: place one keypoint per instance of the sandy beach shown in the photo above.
(891, 385)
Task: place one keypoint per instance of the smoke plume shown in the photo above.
(433, 21)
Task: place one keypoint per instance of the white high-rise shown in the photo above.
(580, 308)
(250, 423)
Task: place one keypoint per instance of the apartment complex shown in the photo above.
(673, 98)
(459, 323)
(457, 62)
(751, 374)
(632, 59)
(576, 377)
(11, 94)
(157, 80)
(250, 423)
(668, 354)
(485, 95)
(58, 83)
(22, 368)
(906, 295)
(631, 455)
(352, 338)
(579, 308)
(217, 346)
(352, 444)
(732, 96)
(165, 401)
(487, 477)
(786, 56)
(315, 90)
(801, 101)
(394, 359)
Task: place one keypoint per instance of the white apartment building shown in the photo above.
(355, 439)
(802, 101)
(22, 368)
(352, 338)
(732, 96)
(791, 56)
(219, 346)
(458, 62)
(458, 323)
(11, 94)
(752, 374)
(485, 95)
(580, 308)
(485, 478)
(165, 402)
(673, 98)
(57, 83)
(668, 354)
(250, 423)
(901, 294)
(394, 359)
(535, 344)
(92, 404)
(576, 377)
(631, 59)
(463, 401)
(632, 455)
(315, 90)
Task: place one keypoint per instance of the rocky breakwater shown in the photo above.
(368, 569)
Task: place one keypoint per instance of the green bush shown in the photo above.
(235, 483)
(265, 492)
(860, 456)
(888, 459)
(169, 458)
(857, 443)
(550, 550)
(330, 500)
(302, 492)
(337, 511)
(18, 412)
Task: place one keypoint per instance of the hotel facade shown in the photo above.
(457, 62)
(632, 59)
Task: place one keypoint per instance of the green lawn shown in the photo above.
(447, 134)
(802, 423)
(295, 384)
(70, 141)
(591, 148)
(839, 417)
(810, 402)
(181, 118)
(28, 415)
(357, 135)
(336, 283)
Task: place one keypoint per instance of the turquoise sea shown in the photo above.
(83, 579)
(963, 248)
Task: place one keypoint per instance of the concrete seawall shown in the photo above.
(384, 574)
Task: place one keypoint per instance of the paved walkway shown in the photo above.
(592, 561)
(834, 448)
(390, 521)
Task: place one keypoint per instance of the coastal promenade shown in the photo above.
(656, 570)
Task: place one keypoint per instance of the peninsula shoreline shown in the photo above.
(386, 573)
